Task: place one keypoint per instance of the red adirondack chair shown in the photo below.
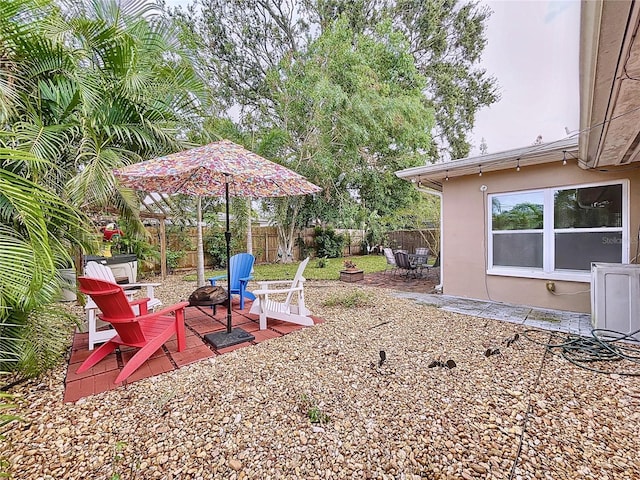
(147, 331)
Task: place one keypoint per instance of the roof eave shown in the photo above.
(590, 20)
(433, 175)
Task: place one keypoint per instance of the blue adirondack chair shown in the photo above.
(241, 265)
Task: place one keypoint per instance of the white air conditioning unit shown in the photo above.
(615, 297)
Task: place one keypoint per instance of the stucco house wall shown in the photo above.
(464, 235)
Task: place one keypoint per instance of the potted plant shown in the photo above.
(350, 265)
(351, 273)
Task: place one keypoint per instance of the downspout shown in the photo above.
(439, 194)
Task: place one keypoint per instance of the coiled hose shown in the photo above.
(596, 353)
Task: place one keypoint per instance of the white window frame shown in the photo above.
(548, 272)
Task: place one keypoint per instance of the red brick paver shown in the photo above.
(398, 281)
(199, 321)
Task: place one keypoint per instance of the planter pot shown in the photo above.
(351, 276)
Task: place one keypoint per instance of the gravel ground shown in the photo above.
(247, 414)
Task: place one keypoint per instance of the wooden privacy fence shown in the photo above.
(409, 240)
(265, 243)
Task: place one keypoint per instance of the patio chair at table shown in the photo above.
(292, 309)
(391, 261)
(145, 331)
(241, 265)
(103, 272)
(420, 259)
(402, 260)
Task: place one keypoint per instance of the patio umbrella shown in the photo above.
(217, 169)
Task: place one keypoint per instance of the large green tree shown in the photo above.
(353, 111)
(241, 40)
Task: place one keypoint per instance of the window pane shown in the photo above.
(517, 250)
(576, 251)
(591, 207)
(517, 211)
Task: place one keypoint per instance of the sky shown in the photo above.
(532, 51)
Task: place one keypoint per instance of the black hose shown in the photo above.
(602, 348)
(581, 351)
(529, 411)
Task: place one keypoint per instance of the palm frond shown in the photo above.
(21, 274)
(42, 141)
(46, 336)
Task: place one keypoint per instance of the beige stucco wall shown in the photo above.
(464, 237)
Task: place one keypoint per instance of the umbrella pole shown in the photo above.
(227, 237)
(230, 336)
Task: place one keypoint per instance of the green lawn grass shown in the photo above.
(279, 271)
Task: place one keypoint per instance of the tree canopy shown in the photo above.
(91, 86)
(352, 112)
(241, 40)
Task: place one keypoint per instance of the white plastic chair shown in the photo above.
(103, 272)
(292, 309)
(391, 260)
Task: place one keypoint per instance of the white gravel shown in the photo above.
(246, 414)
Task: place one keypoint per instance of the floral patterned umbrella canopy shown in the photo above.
(202, 171)
(217, 169)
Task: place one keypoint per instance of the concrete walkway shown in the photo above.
(569, 322)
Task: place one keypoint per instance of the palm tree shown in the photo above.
(99, 85)
(32, 248)
(85, 87)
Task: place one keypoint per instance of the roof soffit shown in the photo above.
(612, 125)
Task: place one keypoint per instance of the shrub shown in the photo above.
(216, 246)
(42, 338)
(328, 243)
(173, 258)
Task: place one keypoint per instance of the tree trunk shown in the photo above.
(201, 280)
(285, 244)
(249, 233)
(286, 230)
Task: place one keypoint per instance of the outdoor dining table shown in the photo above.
(419, 261)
